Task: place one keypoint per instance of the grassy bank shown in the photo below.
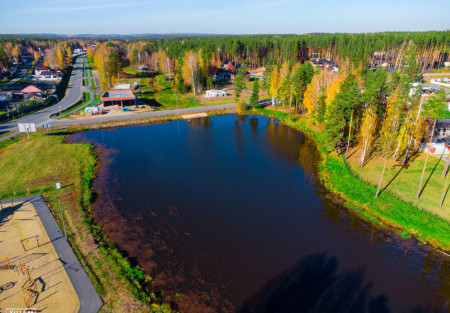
(388, 209)
(34, 166)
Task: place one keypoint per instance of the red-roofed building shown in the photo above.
(229, 67)
(31, 91)
(118, 97)
(38, 71)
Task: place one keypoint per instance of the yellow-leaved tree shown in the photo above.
(189, 70)
(274, 84)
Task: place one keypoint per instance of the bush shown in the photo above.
(241, 106)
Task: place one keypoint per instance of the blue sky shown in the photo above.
(221, 17)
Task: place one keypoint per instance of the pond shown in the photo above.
(228, 214)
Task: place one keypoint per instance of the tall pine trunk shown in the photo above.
(381, 178)
(443, 192)
(349, 135)
(426, 160)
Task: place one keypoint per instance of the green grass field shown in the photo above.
(38, 163)
(404, 181)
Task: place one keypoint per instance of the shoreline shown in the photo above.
(330, 169)
(330, 179)
(326, 178)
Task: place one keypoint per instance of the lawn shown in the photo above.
(404, 181)
(168, 100)
(37, 164)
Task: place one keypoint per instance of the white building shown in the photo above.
(122, 87)
(215, 93)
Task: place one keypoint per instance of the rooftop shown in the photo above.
(118, 95)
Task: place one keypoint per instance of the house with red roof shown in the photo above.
(38, 71)
(229, 67)
(31, 91)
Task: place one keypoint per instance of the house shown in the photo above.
(39, 70)
(118, 97)
(220, 75)
(215, 93)
(31, 91)
(229, 67)
(143, 68)
(77, 51)
(48, 75)
(325, 63)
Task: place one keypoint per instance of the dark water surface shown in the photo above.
(227, 214)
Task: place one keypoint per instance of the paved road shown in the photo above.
(73, 94)
(106, 118)
(90, 301)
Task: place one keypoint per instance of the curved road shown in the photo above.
(73, 94)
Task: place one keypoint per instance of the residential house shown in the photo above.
(143, 68)
(220, 75)
(48, 75)
(215, 93)
(38, 71)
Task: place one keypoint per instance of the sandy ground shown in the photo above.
(194, 115)
(113, 110)
(430, 75)
(55, 292)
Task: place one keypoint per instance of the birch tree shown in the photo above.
(190, 70)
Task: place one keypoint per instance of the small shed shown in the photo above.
(215, 93)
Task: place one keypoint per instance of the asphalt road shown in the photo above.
(73, 94)
(106, 118)
(90, 301)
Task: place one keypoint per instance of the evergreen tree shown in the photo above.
(255, 93)
(239, 82)
(341, 110)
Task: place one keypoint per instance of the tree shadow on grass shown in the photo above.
(432, 172)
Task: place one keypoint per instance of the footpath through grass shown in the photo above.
(388, 209)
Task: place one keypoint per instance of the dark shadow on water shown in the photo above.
(314, 285)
